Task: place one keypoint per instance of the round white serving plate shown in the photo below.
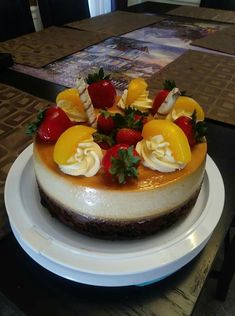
(101, 262)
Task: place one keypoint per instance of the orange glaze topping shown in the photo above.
(147, 179)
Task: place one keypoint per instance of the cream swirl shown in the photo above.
(86, 161)
(157, 155)
(141, 103)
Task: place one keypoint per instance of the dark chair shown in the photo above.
(15, 19)
(118, 5)
(59, 12)
(228, 266)
(218, 4)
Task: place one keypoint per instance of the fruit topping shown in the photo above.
(172, 134)
(121, 162)
(115, 128)
(160, 97)
(67, 143)
(135, 88)
(135, 119)
(69, 100)
(103, 140)
(50, 124)
(105, 122)
(194, 131)
(168, 103)
(128, 136)
(186, 106)
(101, 90)
(136, 96)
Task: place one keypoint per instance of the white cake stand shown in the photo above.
(107, 263)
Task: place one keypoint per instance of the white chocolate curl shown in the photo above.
(86, 101)
(169, 102)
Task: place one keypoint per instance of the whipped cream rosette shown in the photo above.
(157, 155)
(76, 153)
(164, 146)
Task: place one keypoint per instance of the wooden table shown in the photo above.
(29, 288)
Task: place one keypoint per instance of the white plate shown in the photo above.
(107, 263)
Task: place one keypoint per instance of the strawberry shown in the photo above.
(120, 162)
(105, 122)
(140, 118)
(128, 136)
(160, 97)
(186, 124)
(194, 131)
(101, 90)
(50, 124)
(135, 119)
(103, 140)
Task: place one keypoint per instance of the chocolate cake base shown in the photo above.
(115, 230)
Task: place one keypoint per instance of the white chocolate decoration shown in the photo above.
(86, 101)
(169, 102)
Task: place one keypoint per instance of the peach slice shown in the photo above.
(172, 134)
(73, 100)
(188, 105)
(136, 87)
(66, 145)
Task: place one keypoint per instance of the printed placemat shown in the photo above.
(209, 78)
(204, 13)
(17, 109)
(41, 48)
(222, 41)
(116, 23)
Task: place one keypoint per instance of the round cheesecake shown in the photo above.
(101, 208)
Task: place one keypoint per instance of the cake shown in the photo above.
(154, 194)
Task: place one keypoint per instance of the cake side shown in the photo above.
(131, 202)
(116, 229)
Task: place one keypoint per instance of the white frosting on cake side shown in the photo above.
(114, 204)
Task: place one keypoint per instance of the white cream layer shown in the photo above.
(114, 205)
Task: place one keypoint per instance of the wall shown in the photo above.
(36, 17)
(132, 2)
(38, 22)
